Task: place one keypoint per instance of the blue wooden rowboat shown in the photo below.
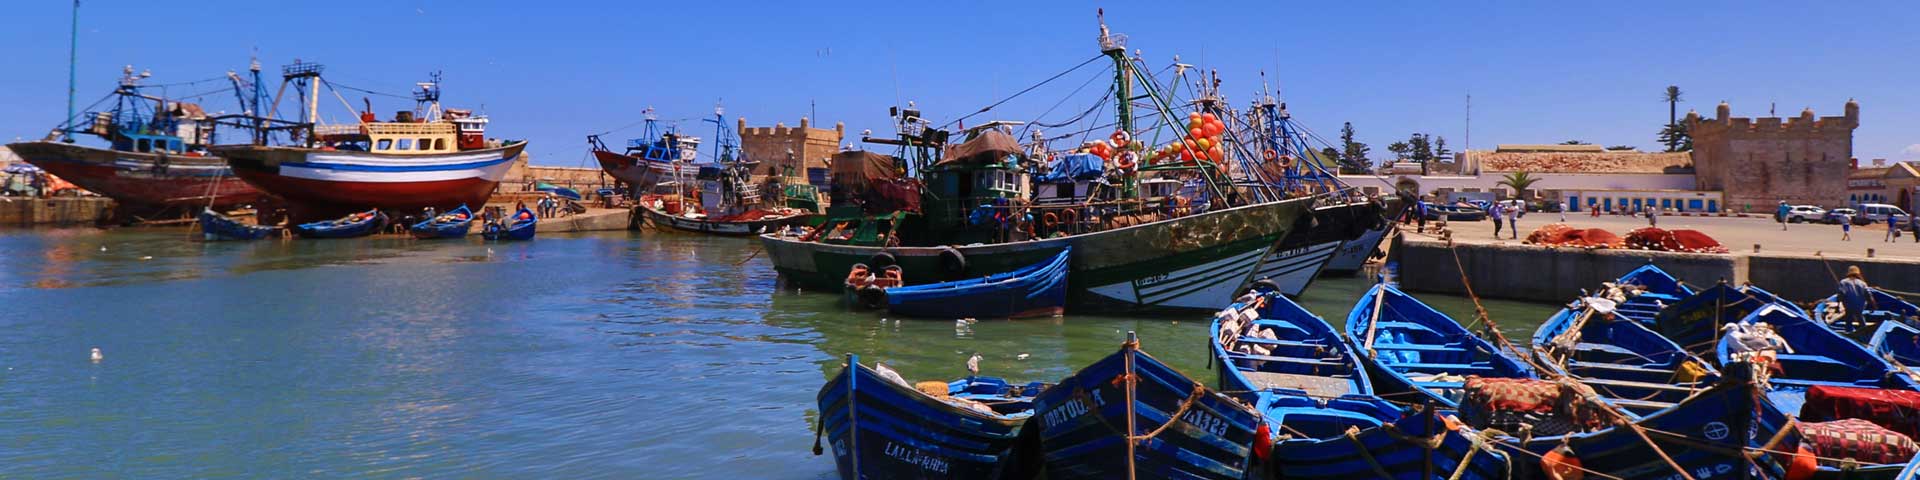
(881, 428)
(1774, 458)
(1610, 349)
(1886, 307)
(1648, 290)
(522, 227)
(453, 224)
(1038, 290)
(1703, 436)
(1896, 342)
(355, 225)
(1311, 390)
(1818, 356)
(1130, 416)
(214, 226)
(1694, 322)
(1414, 353)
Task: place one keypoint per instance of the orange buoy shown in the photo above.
(1560, 464)
(1262, 441)
(1270, 155)
(1050, 220)
(1803, 464)
(1069, 216)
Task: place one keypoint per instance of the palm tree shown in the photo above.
(1672, 97)
(1520, 182)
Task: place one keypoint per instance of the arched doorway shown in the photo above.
(1408, 186)
(1906, 199)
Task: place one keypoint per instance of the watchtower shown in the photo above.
(788, 152)
(1761, 161)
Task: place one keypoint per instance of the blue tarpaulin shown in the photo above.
(1079, 166)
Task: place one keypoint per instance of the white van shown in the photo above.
(1871, 213)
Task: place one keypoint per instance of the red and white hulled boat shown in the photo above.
(439, 160)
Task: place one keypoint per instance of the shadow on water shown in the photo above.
(621, 355)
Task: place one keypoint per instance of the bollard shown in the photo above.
(1869, 253)
(1756, 248)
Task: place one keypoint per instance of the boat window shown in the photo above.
(426, 144)
(405, 144)
(439, 144)
(143, 145)
(385, 144)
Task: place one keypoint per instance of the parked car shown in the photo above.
(1871, 213)
(1805, 213)
(1838, 215)
(1456, 212)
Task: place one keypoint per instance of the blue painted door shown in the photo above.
(1713, 206)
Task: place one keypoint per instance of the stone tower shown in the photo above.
(784, 151)
(1761, 161)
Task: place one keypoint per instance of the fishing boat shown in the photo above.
(1130, 416)
(680, 213)
(1416, 354)
(156, 155)
(1883, 308)
(1897, 342)
(660, 155)
(214, 226)
(521, 228)
(1817, 445)
(967, 212)
(1704, 436)
(1802, 353)
(1039, 290)
(1311, 390)
(1346, 227)
(427, 157)
(881, 427)
(1602, 342)
(453, 224)
(355, 225)
(717, 198)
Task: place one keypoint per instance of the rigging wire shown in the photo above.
(1023, 91)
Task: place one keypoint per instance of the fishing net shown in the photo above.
(1561, 235)
(1544, 406)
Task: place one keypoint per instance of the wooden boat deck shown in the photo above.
(1324, 387)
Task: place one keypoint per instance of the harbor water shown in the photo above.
(616, 355)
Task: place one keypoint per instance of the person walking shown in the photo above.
(1513, 222)
(1856, 296)
(1493, 212)
(1846, 229)
(1653, 217)
(1420, 215)
(1893, 228)
(1781, 213)
(1913, 226)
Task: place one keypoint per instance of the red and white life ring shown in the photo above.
(1127, 160)
(1120, 138)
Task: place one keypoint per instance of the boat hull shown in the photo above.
(1039, 291)
(1314, 242)
(214, 226)
(639, 174)
(1195, 262)
(141, 179)
(1353, 254)
(1084, 422)
(362, 228)
(880, 429)
(330, 183)
(653, 218)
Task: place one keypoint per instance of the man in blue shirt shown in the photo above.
(1893, 228)
(1782, 215)
(1856, 295)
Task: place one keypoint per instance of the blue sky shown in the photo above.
(552, 72)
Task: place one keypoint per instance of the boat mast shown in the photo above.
(1115, 47)
(73, 56)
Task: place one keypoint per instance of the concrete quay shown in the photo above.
(1802, 263)
(57, 211)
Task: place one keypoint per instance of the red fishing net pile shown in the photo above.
(1561, 235)
(1650, 238)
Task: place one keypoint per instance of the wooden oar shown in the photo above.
(1373, 324)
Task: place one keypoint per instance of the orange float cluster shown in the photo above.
(1202, 142)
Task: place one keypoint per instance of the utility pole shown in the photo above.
(73, 55)
(1468, 141)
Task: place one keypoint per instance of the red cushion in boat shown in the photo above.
(1897, 410)
(1857, 439)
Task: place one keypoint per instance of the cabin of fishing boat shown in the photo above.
(982, 173)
